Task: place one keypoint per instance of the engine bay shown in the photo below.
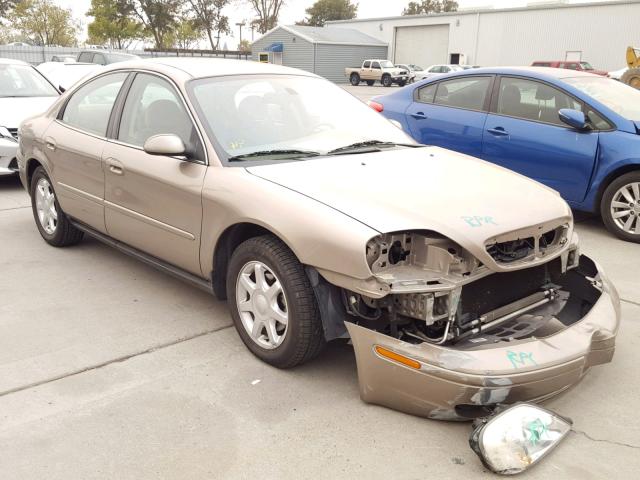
(441, 294)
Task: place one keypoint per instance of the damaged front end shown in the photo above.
(450, 336)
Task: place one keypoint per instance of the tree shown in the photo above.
(113, 23)
(325, 10)
(159, 17)
(430, 6)
(208, 15)
(267, 12)
(244, 45)
(45, 23)
(186, 34)
(5, 7)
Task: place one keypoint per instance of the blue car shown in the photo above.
(575, 132)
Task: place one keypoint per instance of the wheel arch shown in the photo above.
(30, 167)
(227, 242)
(611, 176)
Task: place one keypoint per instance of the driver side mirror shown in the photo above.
(573, 118)
(166, 144)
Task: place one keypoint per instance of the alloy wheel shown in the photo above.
(46, 206)
(625, 208)
(262, 305)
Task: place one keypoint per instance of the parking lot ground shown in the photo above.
(111, 369)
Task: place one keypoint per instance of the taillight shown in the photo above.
(378, 107)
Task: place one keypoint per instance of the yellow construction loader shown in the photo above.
(632, 76)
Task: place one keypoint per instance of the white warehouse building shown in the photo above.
(597, 32)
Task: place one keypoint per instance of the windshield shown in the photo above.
(249, 114)
(386, 64)
(586, 66)
(621, 98)
(23, 81)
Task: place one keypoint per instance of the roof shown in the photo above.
(541, 73)
(198, 67)
(475, 11)
(336, 36)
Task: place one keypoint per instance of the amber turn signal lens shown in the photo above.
(396, 357)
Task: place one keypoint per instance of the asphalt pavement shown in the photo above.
(111, 369)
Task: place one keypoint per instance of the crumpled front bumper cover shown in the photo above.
(451, 381)
(8, 150)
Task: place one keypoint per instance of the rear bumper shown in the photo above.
(451, 380)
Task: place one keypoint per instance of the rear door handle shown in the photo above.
(115, 166)
(419, 116)
(498, 131)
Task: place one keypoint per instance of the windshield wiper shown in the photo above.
(289, 154)
(369, 143)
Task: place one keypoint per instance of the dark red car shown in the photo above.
(571, 65)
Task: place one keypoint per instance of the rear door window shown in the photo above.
(426, 93)
(89, 108)
(366, 64)
(465, 92)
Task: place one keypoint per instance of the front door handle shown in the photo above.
(498, 131)
(50, 143)
(115, 166)
(419, 116)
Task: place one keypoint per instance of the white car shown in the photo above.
(437, 70)
(24, 92)
(64, 75)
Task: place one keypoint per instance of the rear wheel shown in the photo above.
(370, 82)
(354, 79)
(632, 78)
(620, 207)
(386, 80)
(53, 225)
(273, 304)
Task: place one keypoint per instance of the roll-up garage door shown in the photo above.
(422, 45)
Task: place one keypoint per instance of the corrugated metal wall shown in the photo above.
(331, 60)
(296, 54)
(518, 37)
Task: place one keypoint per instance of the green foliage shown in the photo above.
(430, 6)
(326, 10)
(113, 23)
(159, 18)
(186, 33)
(45, 23)
(244, 45)
(5, 8)
(209, 18)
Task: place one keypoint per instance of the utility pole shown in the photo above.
(240, 24)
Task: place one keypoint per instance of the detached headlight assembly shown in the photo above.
(518, 437)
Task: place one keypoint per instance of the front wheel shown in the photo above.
(386, 80)
(53, 225)
(354, 79)
(620, 207)
(402, 83)
(272, 303)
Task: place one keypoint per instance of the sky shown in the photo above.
(294, 10)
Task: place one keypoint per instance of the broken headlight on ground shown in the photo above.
(517, 437)
(440, 293)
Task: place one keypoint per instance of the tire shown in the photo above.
(386, 80)
(371, 82)
(626, 225)
(354, 79)
(302, 339)
(402, 83)
(54, 226)
(631, 77)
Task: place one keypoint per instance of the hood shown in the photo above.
(429, 188)
(14, 110)
(397, 70)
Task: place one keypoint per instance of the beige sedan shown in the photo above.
(460, 284)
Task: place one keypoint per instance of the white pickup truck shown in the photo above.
(375, 69)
